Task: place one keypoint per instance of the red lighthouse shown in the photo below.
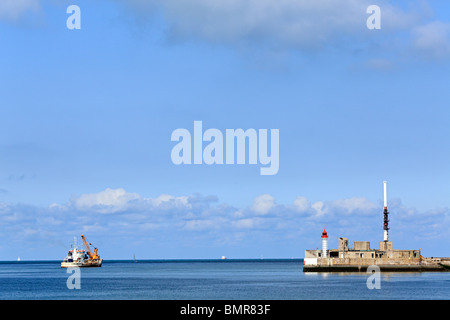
(324, 244)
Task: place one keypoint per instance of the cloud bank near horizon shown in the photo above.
(195, 222)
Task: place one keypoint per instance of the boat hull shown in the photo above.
(85, 264)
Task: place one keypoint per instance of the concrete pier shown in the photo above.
(359, 258)
(385, 265)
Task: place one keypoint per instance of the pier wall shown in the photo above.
(385, 265)
(367, 261)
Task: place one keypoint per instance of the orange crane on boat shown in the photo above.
(92, 256)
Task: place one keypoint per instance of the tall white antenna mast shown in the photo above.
(386, 213)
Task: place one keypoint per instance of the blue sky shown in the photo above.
(86, 118)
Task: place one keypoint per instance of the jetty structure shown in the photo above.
(362, 256)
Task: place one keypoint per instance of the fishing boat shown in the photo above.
(81, 258)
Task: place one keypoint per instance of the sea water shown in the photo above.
(261, 279)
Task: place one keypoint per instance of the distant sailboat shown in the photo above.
(134, 258)
(18, 258)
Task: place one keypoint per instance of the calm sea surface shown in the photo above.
(211, 279)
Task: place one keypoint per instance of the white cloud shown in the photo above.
(247, 223)
(319, 208)
(331, 210)
(166, 199)
(93, 229)
(200, 225)
(283, 22)
(263, 204)
(107, 201)
(15, 9)
(238, 214)
(306, 26)
(301, 204)
(354, 206)
(301, 24)
(433, 39)
(119, 200)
